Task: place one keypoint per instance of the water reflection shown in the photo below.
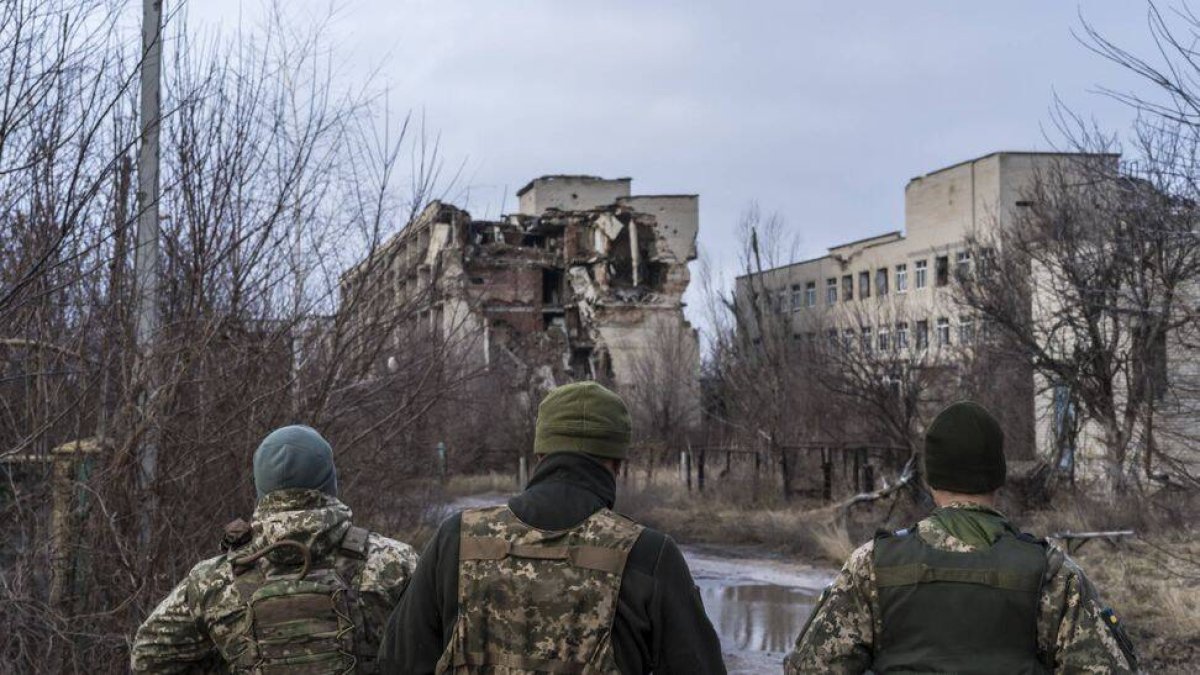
(756, 617)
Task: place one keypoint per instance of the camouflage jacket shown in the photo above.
(1072, 628)
(184, 632)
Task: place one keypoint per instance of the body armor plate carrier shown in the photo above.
(305, 620)
(533, 601)
(958, 612)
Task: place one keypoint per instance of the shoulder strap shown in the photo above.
(354, 542)
(475, 516)
(596, 558)
(235, 534)
(919, 573)
(1024, 536)
(247, 579)
(349, 564)
(1033, 539)
(888, 534)
(352, 555)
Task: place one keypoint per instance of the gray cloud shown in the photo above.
(818, 110)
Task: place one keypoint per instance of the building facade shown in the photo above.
(581, 283)
(893, 294)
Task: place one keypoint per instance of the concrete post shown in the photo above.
(487, 345)
(634, 253)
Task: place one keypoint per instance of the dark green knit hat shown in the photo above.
(964, 450)
(583, 417)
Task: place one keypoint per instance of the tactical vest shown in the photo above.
(305, 620)
(958, 612)
(533, 601)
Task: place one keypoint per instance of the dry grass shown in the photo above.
(1151, 581)
(832, 539)
(740, 513)
(1154, 585)
(476, 484)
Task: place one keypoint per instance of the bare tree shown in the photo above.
(883, 364)
(752, 360)
(663, 394)
(793, 377)
(275, 180)
(1090, 282)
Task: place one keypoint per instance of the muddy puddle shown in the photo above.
(757, 604)
(757, 617)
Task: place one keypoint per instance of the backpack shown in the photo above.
(537, 601)
(305, 620)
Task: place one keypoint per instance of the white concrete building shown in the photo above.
(894, 291)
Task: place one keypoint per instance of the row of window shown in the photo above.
(806, 295)
(889, 337)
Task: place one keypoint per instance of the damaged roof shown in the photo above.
(569, 176)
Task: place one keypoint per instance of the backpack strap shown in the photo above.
(1025, 536)
(882, 533)
(354, 542)
(235, 534)
(351, 556)
(595, 558)
(919, 573)
(349, 563)
(1033, 539)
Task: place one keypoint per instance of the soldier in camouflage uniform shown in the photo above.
(300, 590)
(555, 581)
(963, 591)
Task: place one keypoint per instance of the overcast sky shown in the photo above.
(819, 110)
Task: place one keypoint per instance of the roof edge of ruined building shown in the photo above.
(1013, 153)
(426, 216)
(569, 176)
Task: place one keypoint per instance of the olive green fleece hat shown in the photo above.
(583, 417)
(964, 450)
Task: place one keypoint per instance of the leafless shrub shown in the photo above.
(794, 383)
(275, 179)
(1090, 283)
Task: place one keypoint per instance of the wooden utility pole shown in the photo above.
(146, 255)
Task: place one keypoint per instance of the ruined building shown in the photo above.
(582, 283)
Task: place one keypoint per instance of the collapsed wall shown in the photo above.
(585, 282)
